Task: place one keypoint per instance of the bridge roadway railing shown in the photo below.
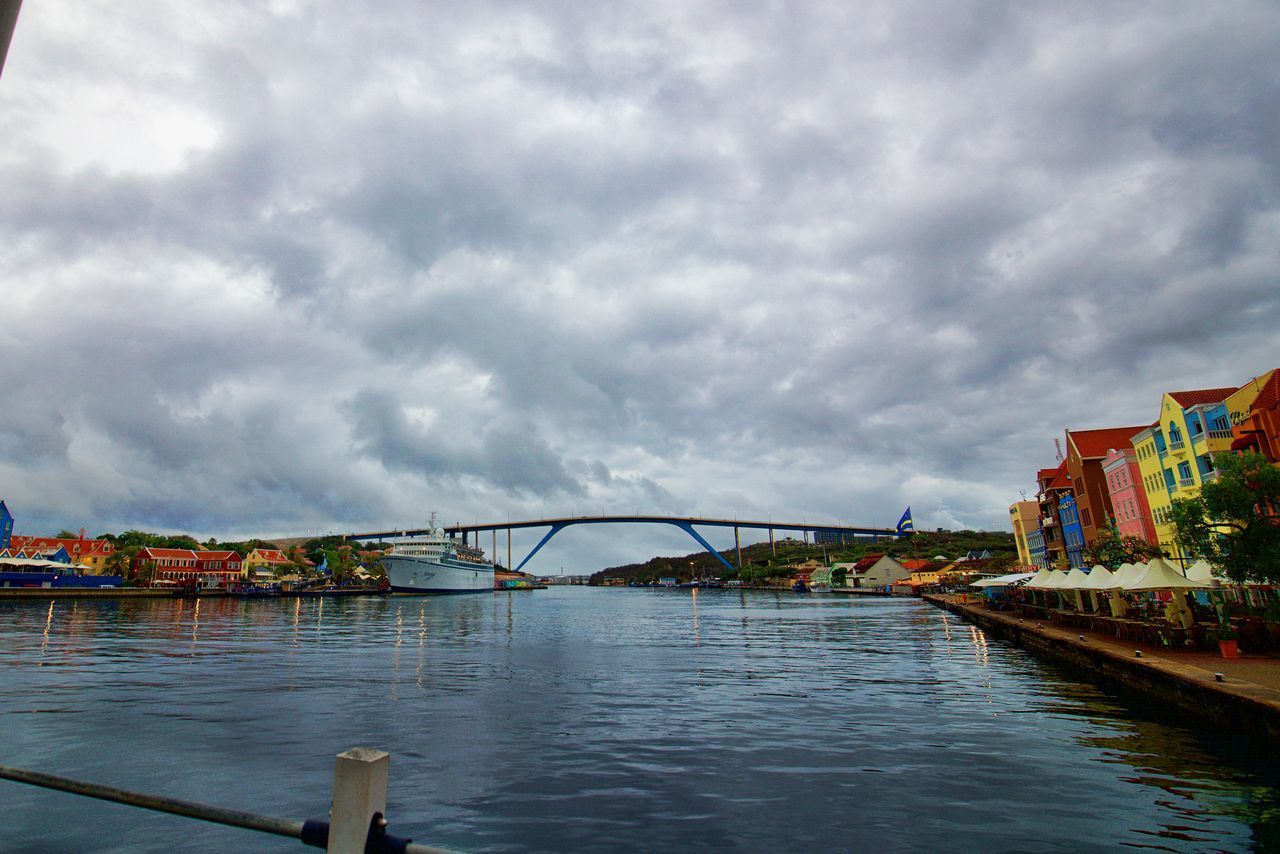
(356, 820)
(685, 523)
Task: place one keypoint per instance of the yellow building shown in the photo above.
(264, 563)
(1175, 454)
(1025, 517)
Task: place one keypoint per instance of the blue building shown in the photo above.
(1035, 544)
(1072, 530)
(6, 526)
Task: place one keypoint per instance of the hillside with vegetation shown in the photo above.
(760, 563)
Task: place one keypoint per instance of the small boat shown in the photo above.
(799, 587)
(820, 588)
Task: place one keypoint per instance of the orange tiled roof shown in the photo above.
(272, 555)
(1269, 396)
(86, 546)
(1202, 395)
(914, 563)
(186, 554)
(1095, 443)
(207, 555)
(866, 562)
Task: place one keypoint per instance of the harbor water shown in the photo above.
(603, 719)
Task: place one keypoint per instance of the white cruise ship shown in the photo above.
(437, 564)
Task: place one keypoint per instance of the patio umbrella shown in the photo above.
(1161, 575)
(1100, 578)
(1075, 581)
(1038, 580)
(1201, 571)
(1004, 580)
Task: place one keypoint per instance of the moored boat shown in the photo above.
(436, 564)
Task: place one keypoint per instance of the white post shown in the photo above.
(359, 791)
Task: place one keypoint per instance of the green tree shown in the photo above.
(1234, 523)
(1111, 549)
(64, 534)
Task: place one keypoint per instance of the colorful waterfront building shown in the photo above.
(1072, 530)
(1132, 512)
(264, 563)
(6, 525)
(220, 567)
(1024, 516)
(1053, 485)
(1175, 453)
(163, 564)
(1086, 449)
(91, 555)
(1035, 545)
(1254, 411)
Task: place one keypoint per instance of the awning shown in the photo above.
(1005, 580)
(1161, 575)
(1100, 578)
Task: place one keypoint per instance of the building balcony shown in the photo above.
(1186, 482)
(1210, 476)
(1177, 446)
(1219, 434)
(1048, 522)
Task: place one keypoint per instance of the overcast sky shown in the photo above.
(291, 267)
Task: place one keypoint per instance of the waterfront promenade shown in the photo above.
(1248, 693)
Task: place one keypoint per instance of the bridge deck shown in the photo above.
(564, 521)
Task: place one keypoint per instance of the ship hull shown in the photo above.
(413, 574)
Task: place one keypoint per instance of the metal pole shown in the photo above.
(493, 553)
(508, 548)
(190, 809)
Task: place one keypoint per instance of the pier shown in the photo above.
(1243, 693)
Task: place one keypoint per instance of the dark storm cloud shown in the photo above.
(314, 266)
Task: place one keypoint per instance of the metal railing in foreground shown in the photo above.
(356, 822)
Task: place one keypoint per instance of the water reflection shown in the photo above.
(561, 718)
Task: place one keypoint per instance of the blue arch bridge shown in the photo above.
(820, 533)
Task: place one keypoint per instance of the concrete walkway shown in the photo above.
(1252, 678)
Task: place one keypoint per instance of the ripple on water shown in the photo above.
(603, 719)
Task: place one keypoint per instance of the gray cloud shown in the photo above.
(316, 267)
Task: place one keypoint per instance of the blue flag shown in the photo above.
(905, 525)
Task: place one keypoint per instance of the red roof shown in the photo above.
(1203, 395)
(1061, 479)
(913, 563)
(1269, 397)
(1091, 444)
(232, 556)
(272, 555)
(184, 554)
(75, 546)
(866, 562)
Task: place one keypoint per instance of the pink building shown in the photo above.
(1128, 498)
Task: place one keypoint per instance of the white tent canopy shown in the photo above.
(1040, 579)
(1005, 580)
(1126, 573)
(1100, 578)
(1055, 579)
(1201, 571)
(1076, 579)
(1160, 575)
